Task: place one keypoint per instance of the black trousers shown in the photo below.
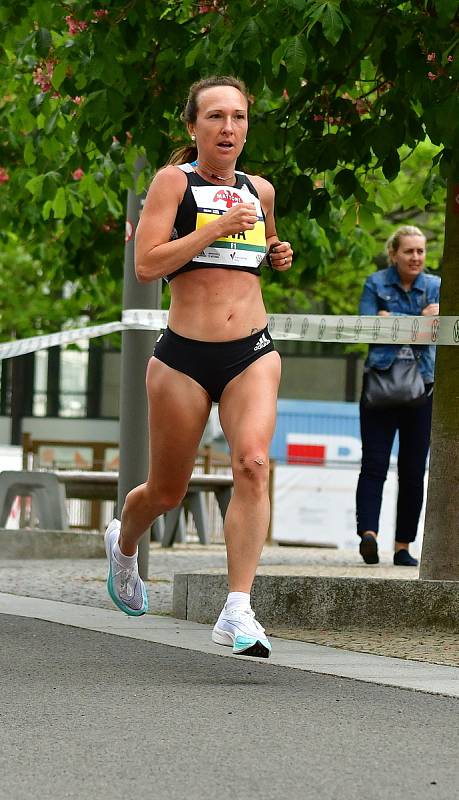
(378, 427)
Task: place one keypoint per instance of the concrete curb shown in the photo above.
(324, 602)
(406, 674)
(40, 544)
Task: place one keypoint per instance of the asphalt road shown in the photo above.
(91, 715)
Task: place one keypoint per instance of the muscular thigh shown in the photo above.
(178, 409)
(248, 405)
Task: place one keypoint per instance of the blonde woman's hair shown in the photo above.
(189, 153)
(393, 242)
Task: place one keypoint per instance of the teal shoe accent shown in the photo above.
(122, 606)
(242, 643)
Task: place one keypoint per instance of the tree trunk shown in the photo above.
(440, 551)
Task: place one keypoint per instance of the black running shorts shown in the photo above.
(212, 364)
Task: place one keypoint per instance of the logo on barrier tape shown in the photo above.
(435, 327)
(271, 324)
(376, 329)
(357, 328)
(456, 331)
(288, 325)
(414, 330)
(339, 328)
(395, 330)
(304, 326)
(322, 328)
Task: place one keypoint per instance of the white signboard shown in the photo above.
(315, 505)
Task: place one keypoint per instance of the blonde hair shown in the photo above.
(393, 242)
(189, 114)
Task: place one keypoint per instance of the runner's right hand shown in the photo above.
(241, 217)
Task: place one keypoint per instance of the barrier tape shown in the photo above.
(294, 327)
(370, 330)
(331, 328)
(22, 346)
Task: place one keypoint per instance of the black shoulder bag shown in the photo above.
(401, 384)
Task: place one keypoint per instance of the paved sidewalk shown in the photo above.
(192, 636)
(110, 706)
(83, 582)
(96, 704)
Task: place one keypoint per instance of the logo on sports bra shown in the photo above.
(229, 198)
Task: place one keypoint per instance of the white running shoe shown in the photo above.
(240, 629)
(125, 586)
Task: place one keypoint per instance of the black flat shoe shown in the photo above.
(402, 558)
(369, 549)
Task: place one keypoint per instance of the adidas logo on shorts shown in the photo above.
(263, 341)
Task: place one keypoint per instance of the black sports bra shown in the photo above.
(201, 202)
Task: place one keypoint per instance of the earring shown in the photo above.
(193, 137)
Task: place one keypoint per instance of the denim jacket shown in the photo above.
(383, 292)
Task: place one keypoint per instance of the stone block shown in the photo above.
(24, 543)
(179, 597)
(330, 602)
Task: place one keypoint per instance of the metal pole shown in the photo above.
(136, 349)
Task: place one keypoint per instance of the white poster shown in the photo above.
(315, 505)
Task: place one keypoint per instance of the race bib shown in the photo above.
(246, 249)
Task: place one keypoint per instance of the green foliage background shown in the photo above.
(355, 120)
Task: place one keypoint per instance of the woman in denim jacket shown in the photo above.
(402, 289)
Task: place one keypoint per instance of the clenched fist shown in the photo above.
(241, 217)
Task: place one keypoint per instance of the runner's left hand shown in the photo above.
(281, 255)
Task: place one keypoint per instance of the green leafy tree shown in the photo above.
(87, 88)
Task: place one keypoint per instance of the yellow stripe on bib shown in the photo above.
(252, 239)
